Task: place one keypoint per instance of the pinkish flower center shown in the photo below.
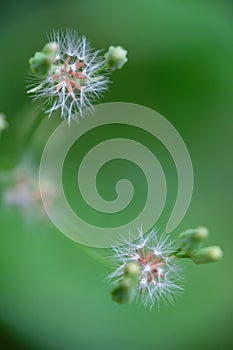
(69, 76)
(150, 265)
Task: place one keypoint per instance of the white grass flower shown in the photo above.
(159, 275)
(76, 79)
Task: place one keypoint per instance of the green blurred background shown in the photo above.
(52, 294)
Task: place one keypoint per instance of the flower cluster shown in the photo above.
(72, 81)
(147, 270)
(190, 246)
(70, 76)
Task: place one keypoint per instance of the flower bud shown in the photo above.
(132, 270)
(116, 57)
(192, 239)
(124, 292)
(42, 61)
(50, 50)
(208, 254)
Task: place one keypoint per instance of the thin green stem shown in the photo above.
(177, 254)
(101, 69)
(32, 130)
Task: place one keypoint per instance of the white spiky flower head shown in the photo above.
(159, 275)
(73, 79)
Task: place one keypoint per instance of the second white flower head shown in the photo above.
(159, 275)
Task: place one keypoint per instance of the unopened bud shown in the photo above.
(116, 57)
(192, 239)
(51, 49)
(208, 254)
(132, 270)
(42, 61)
(123, 293)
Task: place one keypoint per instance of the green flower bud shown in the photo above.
(208, 254)
(50, 50)
(116, 57)
(192, 239)
(42, 61)
(132, 270)
(124, 292)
